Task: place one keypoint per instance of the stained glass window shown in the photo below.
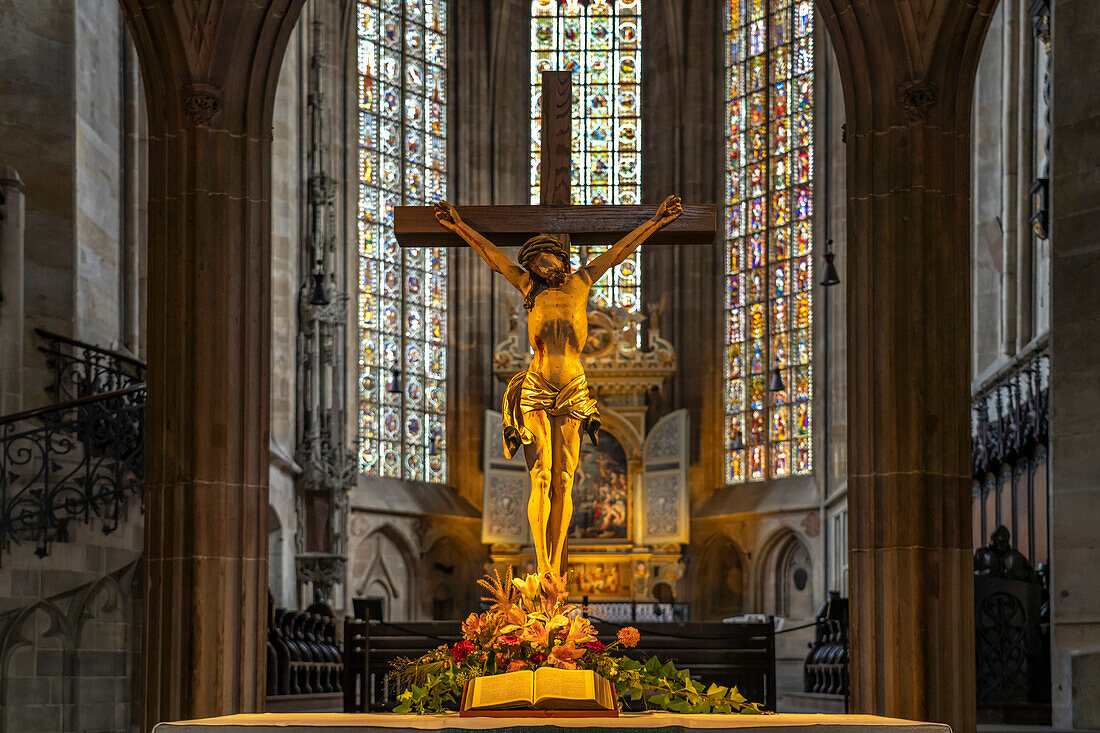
(769, 189)
(402, 292)
(599, 41)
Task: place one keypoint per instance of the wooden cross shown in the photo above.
(416, 226)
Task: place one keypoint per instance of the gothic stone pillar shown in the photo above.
(210, 71)
(907, 70)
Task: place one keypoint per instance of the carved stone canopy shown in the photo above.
(322, 569)
(613, 363)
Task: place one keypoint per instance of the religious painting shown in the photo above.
(601, 492)
(600, 578)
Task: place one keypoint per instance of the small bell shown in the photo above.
(829, 276)
(395, 382)
(776, 382)
(319, 296)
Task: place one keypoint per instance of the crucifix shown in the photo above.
(547, 407)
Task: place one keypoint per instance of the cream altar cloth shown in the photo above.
(626, 723)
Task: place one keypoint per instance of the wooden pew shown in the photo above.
(371, 647)
(726, 654)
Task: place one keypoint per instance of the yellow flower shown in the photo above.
(528, 587)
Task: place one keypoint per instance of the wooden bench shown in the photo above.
(727, 654)
(371, 647)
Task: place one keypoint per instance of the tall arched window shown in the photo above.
(402, 292)
(769, 195)
(600, 42)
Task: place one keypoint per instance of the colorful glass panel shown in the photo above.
(599, 41)
(769, 199)
(402, 292)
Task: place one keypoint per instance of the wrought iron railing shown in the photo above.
(1010, 415)
(75, 461)
(80, 369)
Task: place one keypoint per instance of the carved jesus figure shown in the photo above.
(547, 406)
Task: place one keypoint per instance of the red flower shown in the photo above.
(508, 640)
(538, 658)
(461, 650)
(596, 647)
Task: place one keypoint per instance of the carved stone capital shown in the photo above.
(916, 97)
(201, 104)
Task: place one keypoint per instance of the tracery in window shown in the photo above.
(769, 202)
(402, 292)
(599, 41)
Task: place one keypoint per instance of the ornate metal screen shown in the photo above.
(769, 200)
(599, 41)
(402, 293)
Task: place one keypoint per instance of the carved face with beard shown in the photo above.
(546, 258)
(549, 268)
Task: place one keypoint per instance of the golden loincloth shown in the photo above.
(528, 391)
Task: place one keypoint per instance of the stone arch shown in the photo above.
(783, 582)
(907, 72)
(383, 566)
(447, 586)
(102, 657)
(275, 545)
(718, 579)
(36, 644)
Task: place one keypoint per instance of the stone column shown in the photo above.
(12, 227)
(210, 72)
(907, 70)
(1074, 353)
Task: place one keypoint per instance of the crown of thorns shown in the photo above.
(551, 243)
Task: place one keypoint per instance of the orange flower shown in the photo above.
(563, 656)
(629, 636)
(471, 626)
(535, 634)
(580, 631)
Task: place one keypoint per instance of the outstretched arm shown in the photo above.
(667, 212)
(448, 216)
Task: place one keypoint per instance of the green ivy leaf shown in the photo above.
(660, 700)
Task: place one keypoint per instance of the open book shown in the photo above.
(546, 688)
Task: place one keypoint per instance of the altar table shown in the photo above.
(626, 723)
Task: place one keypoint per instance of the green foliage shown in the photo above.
(435, 686)
(665, 687)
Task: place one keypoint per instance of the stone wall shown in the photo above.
(69, 125)
(1074, 355)
(70, 634)
(286, 243)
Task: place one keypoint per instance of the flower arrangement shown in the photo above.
(531, 624)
